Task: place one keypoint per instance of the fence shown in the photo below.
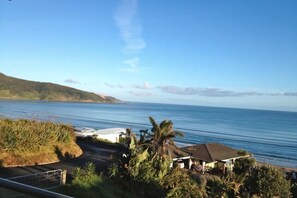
(14, 189)
(33, 184)
(47, 180)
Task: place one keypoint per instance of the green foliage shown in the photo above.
(145, 172)
(217, 187)
(26, 135)
(147, 169)
(135, 162)
(160, 138)
(14, 88)
(294, 190)
(87, 183)
(179, 184)
(114, 170)
(86, 177)
(267, 182)
(242, 152)
(244, 165)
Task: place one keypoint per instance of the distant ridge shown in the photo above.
(14, 88)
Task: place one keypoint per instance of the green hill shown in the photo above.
(14, 88)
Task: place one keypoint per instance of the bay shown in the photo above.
(270, 135)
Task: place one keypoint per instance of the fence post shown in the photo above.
(63, 179)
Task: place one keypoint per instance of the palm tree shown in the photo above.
(161, 137)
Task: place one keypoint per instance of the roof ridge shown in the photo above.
(208, 151)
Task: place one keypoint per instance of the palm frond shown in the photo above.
(178, 133)
(166, 124)
(153, 122)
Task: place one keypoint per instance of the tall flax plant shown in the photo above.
(30, 135)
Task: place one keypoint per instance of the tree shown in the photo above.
(268, 182)
(160, 139)
(146, 169)
(244, 165)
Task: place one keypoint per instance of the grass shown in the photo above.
(87, 183)
(29, 142)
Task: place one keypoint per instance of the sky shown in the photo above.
(226, 53)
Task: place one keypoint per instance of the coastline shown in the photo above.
(199, 125)
(282, 168)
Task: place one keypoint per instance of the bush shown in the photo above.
(268, 182)
(86, 177)
(242, 152)
(178, 183)
(294, 190)
(244, 165)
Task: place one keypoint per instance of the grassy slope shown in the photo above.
(14, 88)
(24, 142)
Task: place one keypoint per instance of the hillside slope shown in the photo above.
(30, 142)
(14, 88)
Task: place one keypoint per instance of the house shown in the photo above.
(208, 156)
(111, 134)
(84, 131)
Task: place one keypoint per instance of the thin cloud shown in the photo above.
(132, 65)
(140, 94)
(290, 93)
(72, 81)
(130, 28)
(146, 85)
(109, 85)
(114, 86)
(216, 92)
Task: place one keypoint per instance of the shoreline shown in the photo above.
(282, 168)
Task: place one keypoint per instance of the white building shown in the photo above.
(111, 134)
(84, 131)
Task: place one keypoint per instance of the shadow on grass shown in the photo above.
(62, 156)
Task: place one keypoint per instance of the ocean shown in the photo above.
(270, 135)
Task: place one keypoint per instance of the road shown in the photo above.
(98, 153)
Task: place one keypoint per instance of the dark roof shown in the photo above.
(211, 152)
(179, 154)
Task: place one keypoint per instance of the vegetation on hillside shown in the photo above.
(144, 171)
(14, 88)
(29, 142)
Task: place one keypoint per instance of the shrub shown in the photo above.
(244, 165)
(294, 190)
(268, 182)
(86, 177)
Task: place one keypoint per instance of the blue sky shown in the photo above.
(216, 53)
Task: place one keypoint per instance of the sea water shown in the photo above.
(270, 135)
